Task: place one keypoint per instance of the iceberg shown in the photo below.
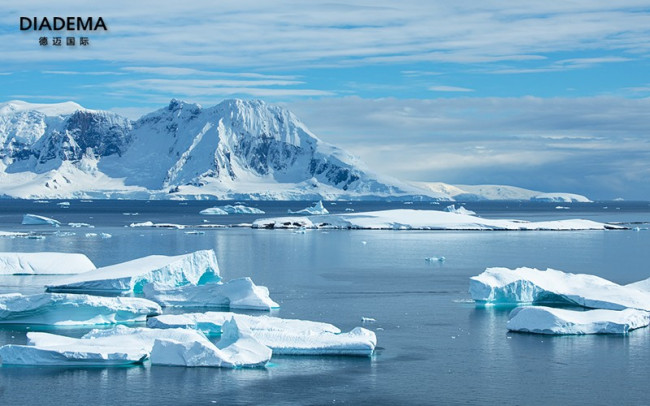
(214, 211)
(533, 286)
(43, 263)
(211, 322)
(283, 336)
(157, 225)
(317, 208)
(409, 219)
(460, 210)
(230, 209)
(122, 345)
(167, 271)
(643, 285)
(239, 293)
(548, 320)
(63, 309)
(33, 219)
(237, 348)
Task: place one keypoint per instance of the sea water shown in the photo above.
(434, 345)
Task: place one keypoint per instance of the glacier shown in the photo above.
(316, 208)
(43, 263)
(283, 336)
(231, 209)
(409, 219)
(62, 309)
(239, 293)
(129, 277)
(534, 286)
(34, 219)
(548, 320)
(122, 345)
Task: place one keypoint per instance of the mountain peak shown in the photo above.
(53, 109)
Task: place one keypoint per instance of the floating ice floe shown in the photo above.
(549, 320)
(239, 293)
(157, 225)
(64, 205)
(460, 210)
(79, 225)
(13, 234)
(43, 263)
(169, 271)
(122, 346)
(317, 208)
(435, 259)
(408, 219)
(230, 209)
(65, 309)
(533, 286)
(283, 336)
(562, 208)
(33, 219)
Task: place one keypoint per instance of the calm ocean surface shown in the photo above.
(435, 346)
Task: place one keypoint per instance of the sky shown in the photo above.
(548, 95)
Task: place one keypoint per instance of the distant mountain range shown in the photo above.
(235, 150)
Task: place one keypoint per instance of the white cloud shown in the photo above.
(290, 33)
(544, 144)
(449, 89)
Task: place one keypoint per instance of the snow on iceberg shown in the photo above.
(239, 293)
(122, 345)
(168, 271)
(214, 211)
(283, 336)
(548, 320)
(211, 322)
(409, 219)
(43, 263)
(70, 353)
(230, 209)
(33, 219)
(460, 210)
(317, 208)
(533, 286)
(68, 309)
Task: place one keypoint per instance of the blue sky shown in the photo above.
(552, 96)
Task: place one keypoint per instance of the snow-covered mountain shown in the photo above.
(235, 150)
